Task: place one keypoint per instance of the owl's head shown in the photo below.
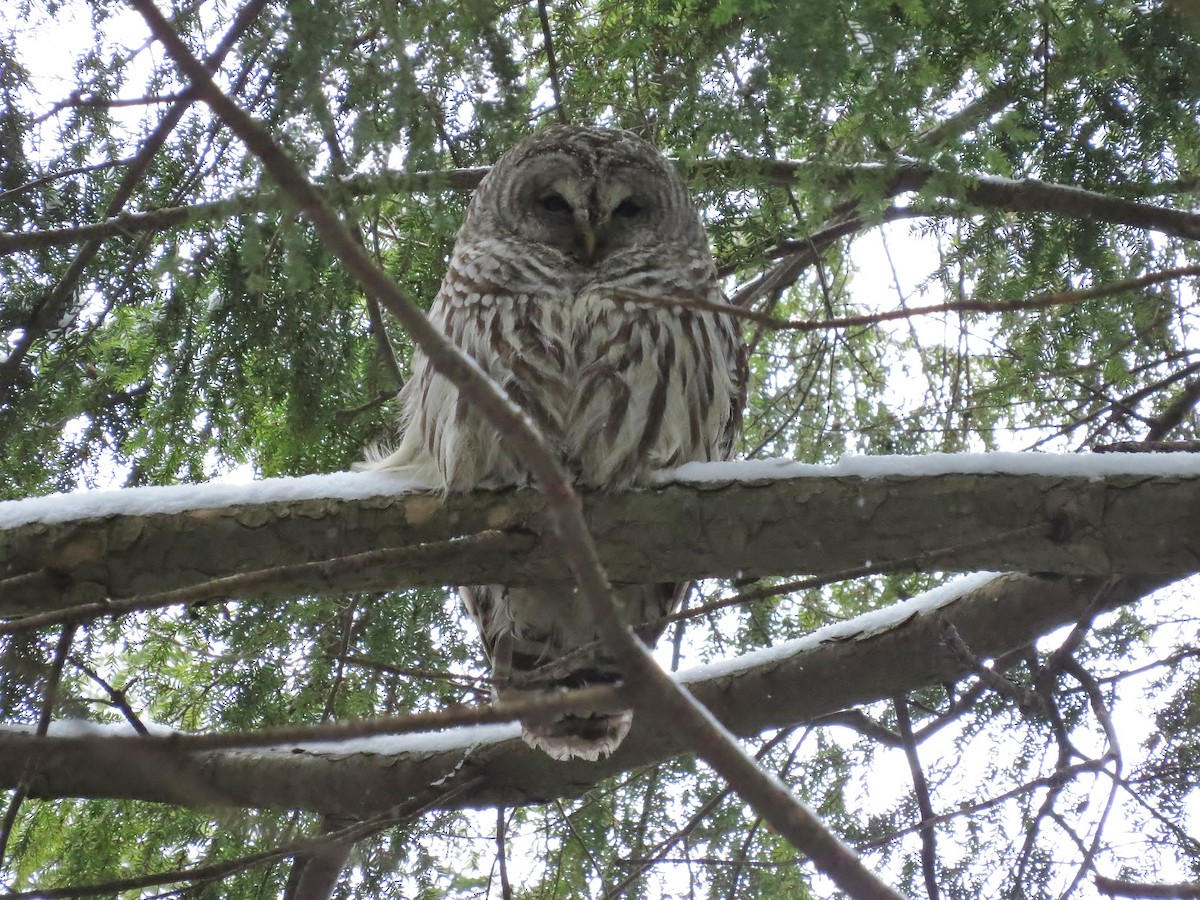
(589, 193)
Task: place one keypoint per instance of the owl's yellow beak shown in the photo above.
(589, 243)
(586, 239)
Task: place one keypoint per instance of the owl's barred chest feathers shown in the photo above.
(619, 379)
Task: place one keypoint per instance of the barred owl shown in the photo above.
(556, 287)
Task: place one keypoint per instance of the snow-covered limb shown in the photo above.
(868, 658)
(1066, 514)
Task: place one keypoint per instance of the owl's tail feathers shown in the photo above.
(570, 736)
(590, 734)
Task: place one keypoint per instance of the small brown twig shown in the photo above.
(1041, 301)
(49, 700)
(506, 891)
(117, 697)
(78, 101)
(1055, 779)
(467, 682)
(921, 789)
(1099, 709)
(927, 560)
(663, 847)
(551, 62)
(59, 174)
(1029, 702)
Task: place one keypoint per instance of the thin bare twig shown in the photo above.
(1030, 703)
(927, 560)
(551, 62)
(49, 700)
(663, 847)
(1100, 711)
(506, 891)
(51, 177)
(1055, 779)
(1041, 301)
(116, 697)
(921, 789)
(78, 101)
(857, 720)
(458, 679)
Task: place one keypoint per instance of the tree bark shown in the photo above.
(808, 519)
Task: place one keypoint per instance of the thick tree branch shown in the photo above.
(847, 665)
(104, 554)
(1114, 887)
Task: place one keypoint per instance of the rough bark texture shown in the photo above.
(1005, 614)
(813, 523)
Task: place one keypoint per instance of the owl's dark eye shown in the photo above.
(555, 203)
(627, 209)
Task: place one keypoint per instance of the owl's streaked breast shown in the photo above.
(596, 338)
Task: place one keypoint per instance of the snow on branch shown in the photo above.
(1069, 514)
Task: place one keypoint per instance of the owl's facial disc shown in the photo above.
(587, 209)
